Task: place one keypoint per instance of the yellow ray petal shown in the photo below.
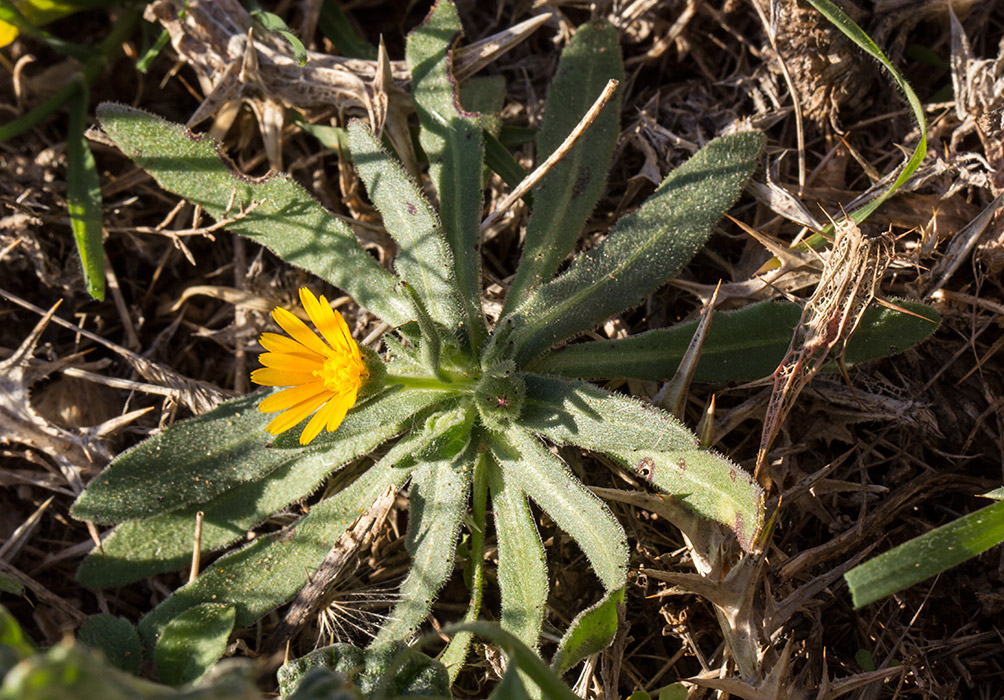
(284, 362)
(273, 342)
(298, 329)
(287, 398)
(286, 420)
(340, 406)
(317, 422)
(266, 376)
(328, 321)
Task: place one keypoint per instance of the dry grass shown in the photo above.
(857, 472)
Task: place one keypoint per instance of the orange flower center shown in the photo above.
(342, 373)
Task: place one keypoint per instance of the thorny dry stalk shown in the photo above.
(850, 279)
(73, 454)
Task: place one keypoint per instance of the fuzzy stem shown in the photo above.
(459, 384)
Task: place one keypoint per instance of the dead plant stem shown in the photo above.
(530, 180)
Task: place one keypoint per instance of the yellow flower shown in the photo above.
(323, 375)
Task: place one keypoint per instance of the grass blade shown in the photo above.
(83, 194)
(853, 32)
(336, 26)
(927, 555)
(498, 158)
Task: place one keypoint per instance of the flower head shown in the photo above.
(322, 375)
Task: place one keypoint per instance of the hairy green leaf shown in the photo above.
(423, 258)
(522, 568)
(572, 507)
(883, 331)
(451, 138)
(565, 197)
(277, 212)
(140, 548)
(429, 342)
(272, 569)
(321, 684)
(591, 631)
(455, 654)
(437, 505)
(711, 484)
(202, 458)
(116, 638)
(343, 659)
(192, 642)
(484, 95)
(391, 671)
(192, 462)
(741, 345)
(581, 414)
(644, 249)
